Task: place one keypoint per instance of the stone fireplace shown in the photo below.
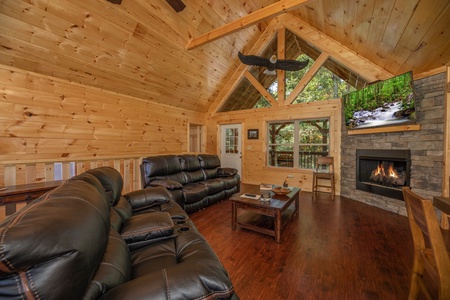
(383, 172)
(425, 147)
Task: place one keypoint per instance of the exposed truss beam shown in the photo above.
(265, 38)
(307, 78)
(260, 88)
(270, 11)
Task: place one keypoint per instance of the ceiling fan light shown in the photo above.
(270, 72)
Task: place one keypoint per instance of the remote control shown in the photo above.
(250, 195)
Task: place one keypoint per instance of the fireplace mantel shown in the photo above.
(413, 127)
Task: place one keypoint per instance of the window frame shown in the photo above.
(296, 144)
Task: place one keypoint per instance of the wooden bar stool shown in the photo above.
(324, 172)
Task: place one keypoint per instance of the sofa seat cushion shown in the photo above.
(194, 192)
(146, 227)
(166, 183)
(230, 182)
(174, 209)
(214, 185)
(114, 269)
(185, 267)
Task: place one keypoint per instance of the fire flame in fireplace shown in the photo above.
(388, 177)
(391, 172)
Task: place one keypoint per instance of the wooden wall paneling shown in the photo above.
(45, 123)
(356, 63)
(435, 40)
(380, 18)
(254, 169)
(79, 48)
(332, 17)
(364, 20)
(399, 18)
(420, 23)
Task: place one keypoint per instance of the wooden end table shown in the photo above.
(253, 210)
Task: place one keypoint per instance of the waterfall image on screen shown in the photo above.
(385, 103)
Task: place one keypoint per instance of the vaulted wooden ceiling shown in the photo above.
(138, 47)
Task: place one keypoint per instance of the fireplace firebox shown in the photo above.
(383, 172)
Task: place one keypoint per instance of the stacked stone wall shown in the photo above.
(426, 145)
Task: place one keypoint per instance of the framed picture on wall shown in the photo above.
(252, 134)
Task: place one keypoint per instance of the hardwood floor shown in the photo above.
(340, 249)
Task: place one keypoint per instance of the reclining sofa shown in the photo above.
(84, 240)
(195, 181)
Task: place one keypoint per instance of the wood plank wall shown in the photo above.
(44, 120)
(254, 152)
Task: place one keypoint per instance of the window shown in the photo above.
(231, 140)
(297, 143)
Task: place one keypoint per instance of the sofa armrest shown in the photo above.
(146, 198)
(146, 227)
(167, 183)
(223, 172)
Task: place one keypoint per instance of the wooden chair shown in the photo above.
(431, 265)
(324, 171)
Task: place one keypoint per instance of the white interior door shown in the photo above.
(230, 146)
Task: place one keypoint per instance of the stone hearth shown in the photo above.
(426, 145)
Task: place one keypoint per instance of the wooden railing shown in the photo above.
(26, 173)
(307, 160)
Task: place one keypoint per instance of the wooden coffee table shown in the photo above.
(264, 217)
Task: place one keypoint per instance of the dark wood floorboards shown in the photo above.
(340, 249)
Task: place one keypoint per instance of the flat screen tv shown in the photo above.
(385, 103)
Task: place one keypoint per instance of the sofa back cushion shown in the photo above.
(209, 161)
(52, 247)
(190, 165)
(161, 167)
(112, 182)
(210, 164)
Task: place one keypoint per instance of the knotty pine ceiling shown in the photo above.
(138, 48)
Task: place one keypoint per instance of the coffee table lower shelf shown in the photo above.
(264, 224)
(264, 217)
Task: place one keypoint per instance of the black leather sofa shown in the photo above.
(84, 240)
(195, 181)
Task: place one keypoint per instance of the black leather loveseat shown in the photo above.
(195, 181)
(84, 240)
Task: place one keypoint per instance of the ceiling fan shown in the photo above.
(271, 64)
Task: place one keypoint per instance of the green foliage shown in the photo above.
(379, 94)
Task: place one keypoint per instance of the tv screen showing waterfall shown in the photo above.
(385, 103)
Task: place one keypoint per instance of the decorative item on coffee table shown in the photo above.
(265, 189)
(281, 190)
